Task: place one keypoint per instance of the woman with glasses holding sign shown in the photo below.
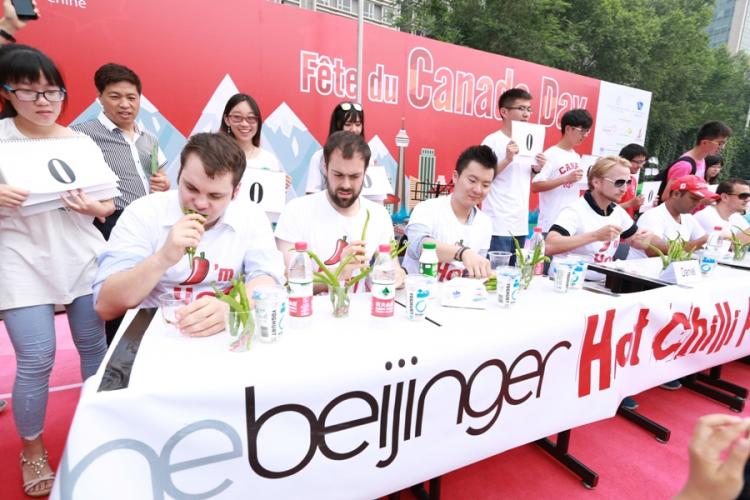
(45, 259)
(347, 116)
(243, 121)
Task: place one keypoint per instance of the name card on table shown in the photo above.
(587, 161)
(686, 272)
(376, 181)
(530, 139)
(649, 191)
(266, 188)
(48, 168)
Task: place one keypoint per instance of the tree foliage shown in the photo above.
(656, 45)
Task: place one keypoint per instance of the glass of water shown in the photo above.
(169, 303)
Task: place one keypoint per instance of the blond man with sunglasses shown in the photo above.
(734, 197)
(594, 224)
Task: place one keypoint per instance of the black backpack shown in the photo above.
(662, 176)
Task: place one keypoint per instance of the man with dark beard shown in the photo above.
(332, 222)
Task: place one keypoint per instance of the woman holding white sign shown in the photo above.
(242, 120)
(45, 259)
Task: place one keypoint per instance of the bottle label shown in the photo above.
(300, 299)
(430, 269)
(383, 299)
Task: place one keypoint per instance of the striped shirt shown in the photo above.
(129, 160)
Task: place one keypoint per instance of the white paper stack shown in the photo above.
(48, 168)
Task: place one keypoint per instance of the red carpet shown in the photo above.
(630, 462)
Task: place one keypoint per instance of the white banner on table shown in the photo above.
(529, 137)
(381, 407)
(650, 193)
(266, 188)
(48, 168)
(376, 181)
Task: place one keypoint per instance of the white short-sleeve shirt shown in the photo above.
(507, 203)
(436, 214)
(709, 218)
(314, 220)
(241, 242)
(46, 258)
(660, 222)
(584, 216)
(559, 162)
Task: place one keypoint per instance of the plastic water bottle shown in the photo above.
(537, 240)
(715, 239)
(300, 278)
(383, 283)
(428, 260)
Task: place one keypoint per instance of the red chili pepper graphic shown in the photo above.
(199, 270)
(336, 257)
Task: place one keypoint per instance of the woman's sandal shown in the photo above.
(38, 467)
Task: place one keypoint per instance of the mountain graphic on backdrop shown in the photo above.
(171, 140)
(210, 119)
(287, 137)
(382, 156)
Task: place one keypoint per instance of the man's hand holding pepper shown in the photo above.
(204, 317)
(357, 249)
(159, 182)
(186, 233)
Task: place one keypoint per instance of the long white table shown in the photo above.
(362, 406)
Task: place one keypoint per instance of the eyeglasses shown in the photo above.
(522, 109)
(28, 95)
(721, 144)
(237, 119)
(638, 162)
(583, 131)
(346, 106)
(741, 196)
(619, 182)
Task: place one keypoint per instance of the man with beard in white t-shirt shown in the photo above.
(557, 183)
(594, 223)
(734, 196)
(673, 217)
(507, 203)
(331, 221)
(455, 223)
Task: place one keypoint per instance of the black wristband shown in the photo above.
(7, 36)
(460, 253)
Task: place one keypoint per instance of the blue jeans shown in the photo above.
(505, 244)
(32, 333)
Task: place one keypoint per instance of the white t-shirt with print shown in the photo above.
(241, 242)
(559, 163)
(437, 215)
(579, 217)
(507, 203)
(660, 222)
(709, 218)
(313, 219)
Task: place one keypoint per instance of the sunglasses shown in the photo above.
(346, 106)
(619, 182)
(741, 196)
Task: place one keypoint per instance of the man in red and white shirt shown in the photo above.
(557, 183)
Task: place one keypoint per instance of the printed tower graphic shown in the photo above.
(287, 137)
(149, 118)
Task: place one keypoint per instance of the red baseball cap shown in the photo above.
(694, 185)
